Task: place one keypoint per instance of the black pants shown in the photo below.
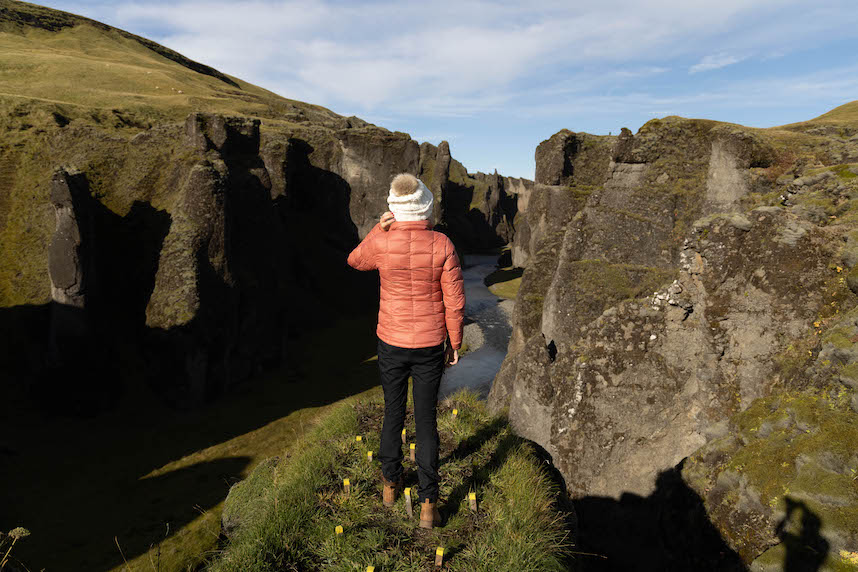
(425, 366)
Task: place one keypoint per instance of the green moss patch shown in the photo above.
(795, 449)
(608, 283)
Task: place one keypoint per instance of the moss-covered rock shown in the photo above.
(784, 476)
(668, 298)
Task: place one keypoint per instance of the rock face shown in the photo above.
(257, 244)
(660, 300)
(70, 262)
(478, 211)
(215, 242)
(194, 287)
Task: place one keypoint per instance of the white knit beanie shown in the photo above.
(416, 206)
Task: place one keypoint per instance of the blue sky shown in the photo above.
(496, 78)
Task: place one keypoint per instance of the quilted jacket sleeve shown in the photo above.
(453, 289)
(363, 256)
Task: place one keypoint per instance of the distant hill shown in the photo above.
(843, 119)
(80, 68)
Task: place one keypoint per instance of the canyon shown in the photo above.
(681, 347)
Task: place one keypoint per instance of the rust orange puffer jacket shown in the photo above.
(422, 291)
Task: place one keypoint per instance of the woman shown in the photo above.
(422, 306)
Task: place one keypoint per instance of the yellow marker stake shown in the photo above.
(413, 452)
(439, 556)
(472, 499)
(370, 569)
(358, 438)
(339, 529)
(403, 436)
(369, 456)
(408, 509)
(455, 412)
(347, 485)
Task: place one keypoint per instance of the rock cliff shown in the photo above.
(194, 227)
(674, 279)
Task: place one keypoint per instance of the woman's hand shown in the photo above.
(451, 356)
(386, 220)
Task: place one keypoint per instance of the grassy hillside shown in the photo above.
(287, 511)
(844, 116)
(75, 92)
(72, 67)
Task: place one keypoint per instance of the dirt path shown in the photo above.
(487, 331)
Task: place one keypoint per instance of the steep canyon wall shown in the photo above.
(210, 245)
(674, 278)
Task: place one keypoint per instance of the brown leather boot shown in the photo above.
(429, 515)
(390, 491)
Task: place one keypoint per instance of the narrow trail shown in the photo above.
(487, 331)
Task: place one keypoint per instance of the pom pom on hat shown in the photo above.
(414, 206)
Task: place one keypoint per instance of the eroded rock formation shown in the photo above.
(70, 262)
(669, 285)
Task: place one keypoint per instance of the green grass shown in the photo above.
(288, 511)
(505, 282)
(845, 115)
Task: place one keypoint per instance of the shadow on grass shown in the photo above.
(482, 473)
(88, 471)
(503, 275)
(475, 442)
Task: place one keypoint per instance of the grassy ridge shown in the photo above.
(83, 69)
(286, 512)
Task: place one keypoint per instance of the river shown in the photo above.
(487, 331)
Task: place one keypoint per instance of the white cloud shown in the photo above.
(458, 56)
(387, 59)
(714, 62)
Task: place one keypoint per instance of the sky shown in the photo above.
(495, 79)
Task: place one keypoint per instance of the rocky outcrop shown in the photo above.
(478, 211)
(194, 288)
(686, 357)
(661, 301)
(615, 227)
(69, 259)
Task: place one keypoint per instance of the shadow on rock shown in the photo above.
(806, 549)
(667, 531)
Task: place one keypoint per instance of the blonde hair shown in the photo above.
(403, 184)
